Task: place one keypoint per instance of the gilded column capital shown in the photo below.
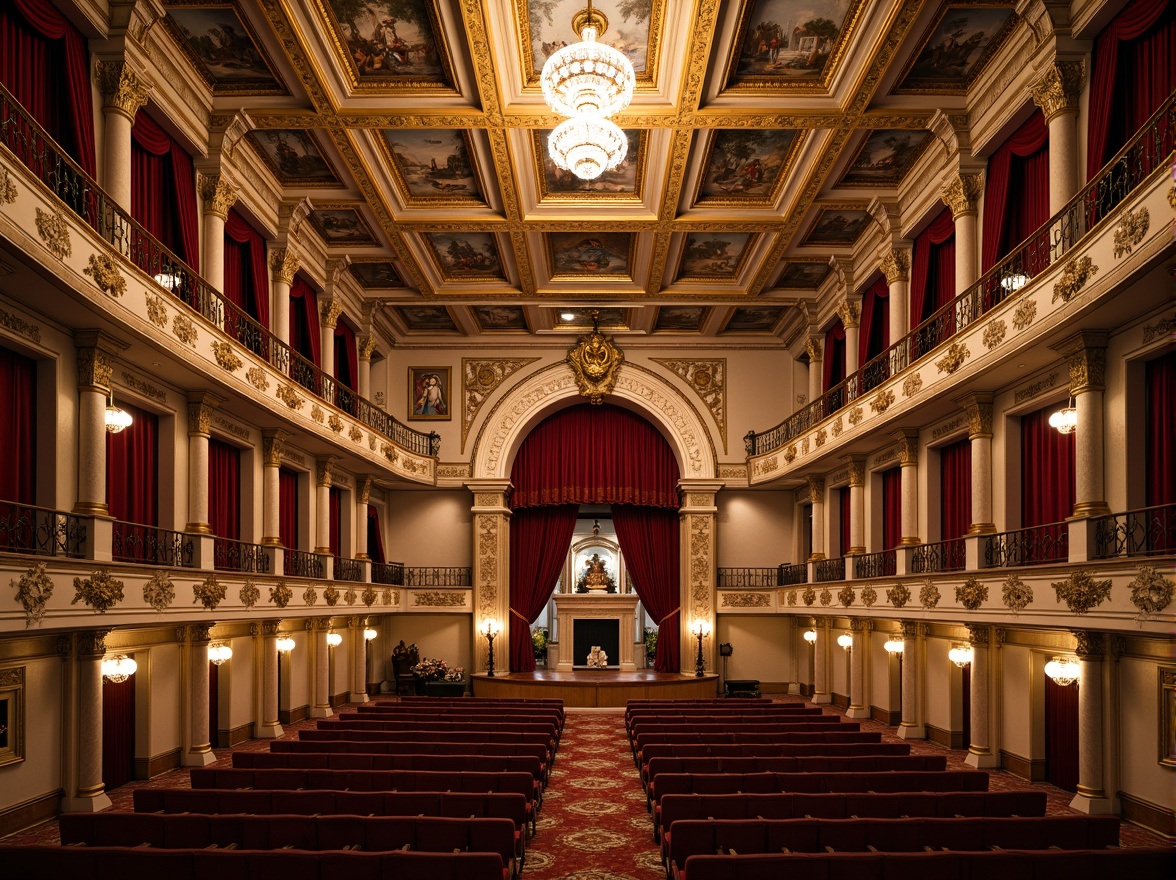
(95, 367)
(123, 89)
(325, 470)
(329, 312)
(92, 642)
(962, 192)
(1086, 355)
(194, 633)
(978, 408)
(849, 311)
(856, 624)
(857, 470)
(1057, 90)
(910, 629)
(816, 489)
(978, 634)
(218, 194)
(896, 265)
(285, 264)
(908, 447)
(271, 628)
(200, 407)
(273, 444)
(812, 347)
(1091, 644)
(367, 344)
(363, 488)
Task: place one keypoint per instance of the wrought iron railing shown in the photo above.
(347, 569)
(941, 556)
(303, 563)
(453, 576)
(747, 577)
(875, 565)
(390, 574)
(133, 542)
(1144, 532)
(1131, 166)
(1038, 545)
(231, 555)
(40, 531)
(830, 570)
(21, 134)
(790, 575)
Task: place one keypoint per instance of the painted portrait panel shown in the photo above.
(549, 24)
(681, 319)
(597, 253)
(428, 394)
(427, 318)
(501, 317)
(373, 276)
(837, 226)
(958, 47)
(466, 254)
(714, 255)
(434, 163)
(805, 276)
(753, 318)
(390, 40)
(340, 226)
(787, 39)
(885, 157)
(293, 156)
(224, 48)
(624, 180)
(745, 164)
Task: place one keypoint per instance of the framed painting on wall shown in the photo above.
(1168, 716)
(12, 682)
(428, 393)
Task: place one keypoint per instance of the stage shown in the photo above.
(594, 687)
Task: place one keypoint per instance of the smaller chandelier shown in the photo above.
(960, 655)
(845, 640)
(1014, 282)
(1065, 420)
(218, 653)
(1063, 670)
(810, 636)
(285, 645)
(118, 668)
(587, 146)
(369, 634)
(587, 78)
(116, 419)
(894, 646)
(334, 640)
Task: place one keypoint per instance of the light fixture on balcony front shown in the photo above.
(118, 668)
(845, 640)
(894, 645)
(810, 636)
(960, 655)
(285, 645)
(1014, 282)
(168, 280)
(1065, 420)
(116, 419)
(369, 634)
(1063, 670)
(218, 653)
(334, 640)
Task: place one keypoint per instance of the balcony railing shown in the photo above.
(390, 574)
(454, 576)
(347, 569)
(133, 542)
(1039, 545)
(790, 575)
(1131, 166)
(1144, 532)
(875, 565)
(302, 563)
(830, 570)
(21, 134)
(40, 531)
(941, 556)
(747, 577)
(230, 555)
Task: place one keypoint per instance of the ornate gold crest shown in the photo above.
(595, 361)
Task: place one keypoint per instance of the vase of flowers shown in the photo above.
(435, 677)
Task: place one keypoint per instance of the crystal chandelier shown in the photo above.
(118, 668)
(1065, 420)
(116, 419)
(961, 655)
(1063, 670)
(218, 653)
(587, 82)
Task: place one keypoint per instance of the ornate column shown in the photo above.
(367, 344)
(980, 751)
(978, 407)
(1091, 796)
(896, 266)
(491, 575)
(320, 652)
(857, 512)
(329, 312)
(322, 532)
(194, 639)
(908, 461)
(96, 353)
(859, 631)
(821, 662)
(200, 407)
(89, 792)
(355, 627)
(961, 193)
(219, 196)
(363, 491)
(914, 641)
(1086, 352)
(697, 516)
(124, 92)
(265, 640)
(817, 497)
(850, 312)
(273, 443)
(285, 264)
(813, 345)
(1056, 93)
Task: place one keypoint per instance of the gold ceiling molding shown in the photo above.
(480, 378)
(707, 379)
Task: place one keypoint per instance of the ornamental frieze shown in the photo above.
(745, 600)
(707, 379)
(480, 378)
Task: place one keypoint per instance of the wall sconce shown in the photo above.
(285, 645)
(1065, 420)
(894, 645)
(334, 640)
(1063, 670)
(369, 634)
(701, 629)
(118, 668)
(845, 640)
(960, 655)
(116, 419)
(810, 636)
(490, 630)
(1014, 282)
(218, 653)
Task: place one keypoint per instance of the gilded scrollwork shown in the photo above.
(846, 595)
(882, 401)
(731, 599)
(480, 378)
(972, 593)
(1074, 277)
(957, 353)
(226, 357)
(825, 597)
(281, 594)
(994, 334)
(310, 596)
(1151, 592)
(107, 277)
(34, 588)
(290, 397)
(869, 597)
(209, 593)
(249, 594)
(855, 416)
(1081, 592)
(184, 330)
(1016, 594)
(1131, 230)
(912, 384)
(54, 231)
(929, 594)
(595, 361)
(8, 191)
(1025, 313)
(158, 591)
(101, 590)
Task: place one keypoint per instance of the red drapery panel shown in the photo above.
(346, 357)
(118, 732)
(375, 536)
(132, 469)
(1161, 459)
(246, 273)
(891, 508)
(18, 441)
(288, 508)
(304, 321)
(224, 489)
(1047, 471)
(833, 367)
(933, 268)
(1016, 190)
(955, 490)
(45, 64)
(1133, 71)
(213, 703)
(649, 541)
(875, 329)
(163, 189)
(594, 454)
(1061, 735)
(846, 510)
(334, 524)
(539, 541)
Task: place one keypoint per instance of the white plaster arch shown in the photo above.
(536, 396)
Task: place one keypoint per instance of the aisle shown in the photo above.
(593, 825)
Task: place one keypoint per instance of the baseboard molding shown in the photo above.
(226, 739)
(1026, 768)
(293, 716)
(841, 700)
(889, 717)
(149, 768)
(340, 699)
(773, 687)
(952, 739)
(1154, 817)
(807, 690)
(32, 812)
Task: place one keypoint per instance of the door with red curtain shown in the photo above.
(1160, 525)
(118, 732)
(334, 520)
(891, 508)
(1047, 485)
(1061, 734)
(845, 539)
(18, 441)
(224, 501)
(132, 469)
(288, 508)
(955, 500)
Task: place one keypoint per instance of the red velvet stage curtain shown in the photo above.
(933, 268)
(118, 732)
(1016, 191)
(163, 189)
(649, 541)
(334, 524)
(346, 357)
(304, 321)
(288, 508)
(1133, 71)
(1161, 459)
(875, 329)
(955, 490)
(891, 508)
(18, 441)
(539, 541)
(1047, 471)
(845, 539)
(246, 273)
(833, 367)
(1061, 735)
(45, 64)
(375, 536)
(132, 469)
(224, 489)
(595, 455)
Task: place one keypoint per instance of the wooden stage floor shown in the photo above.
(595, 687)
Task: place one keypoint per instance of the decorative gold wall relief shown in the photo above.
(594, 361)
(708, 379)
(479, 379)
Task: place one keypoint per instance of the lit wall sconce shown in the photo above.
(960, 655)
(894, 645)
(1065, 420)
(1063, 670)
(334, 640)
(369, 634)
(701, 629)
(810, 636)
(285, 645)
(218, 653)
(845, 640)
(118, 668)
(117, 419)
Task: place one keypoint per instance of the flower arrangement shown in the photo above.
(539, 643)
(430, 669)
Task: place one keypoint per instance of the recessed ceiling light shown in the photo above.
(567, 316)
(1020, 366)
(156, 364)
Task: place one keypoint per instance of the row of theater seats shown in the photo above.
(379, 793)
(754, 790)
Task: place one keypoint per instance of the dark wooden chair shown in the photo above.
(403, 681)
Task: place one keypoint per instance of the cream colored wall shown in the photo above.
(940, 711)
(165, 730)
(754, 529)
(1141, 774)
(238, 678)
(838, 666)
(430, 528)
(760, 648)
(446, 637)
(295, 691)
(40, 771)
(1018, 696)
(882, 689)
